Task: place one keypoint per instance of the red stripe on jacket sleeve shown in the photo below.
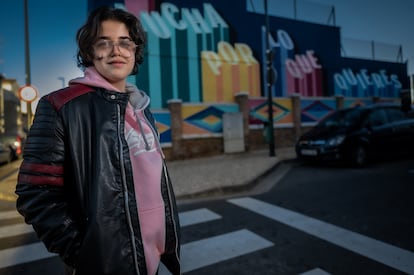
(40, 180)
(42, 168)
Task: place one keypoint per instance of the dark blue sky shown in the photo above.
(53, 26)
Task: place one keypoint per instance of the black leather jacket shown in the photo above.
(75, 184)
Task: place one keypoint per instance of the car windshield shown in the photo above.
(343, 118)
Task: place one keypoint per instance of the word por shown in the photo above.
(229, 71)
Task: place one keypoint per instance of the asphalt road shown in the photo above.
(301, 220)
(320, 219)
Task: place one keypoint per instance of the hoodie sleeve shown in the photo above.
(42, 196)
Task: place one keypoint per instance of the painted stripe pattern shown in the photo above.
(384, 253)
(228, 245)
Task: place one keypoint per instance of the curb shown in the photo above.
(233, 190)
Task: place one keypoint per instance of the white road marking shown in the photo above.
(212, 250)
(219, 248)
(384, 253)
(23, 254)
(37, 251)
(4, 215)
(197, 216)
(15, 230)
(316, 271)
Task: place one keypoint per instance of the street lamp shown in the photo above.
(270, 80)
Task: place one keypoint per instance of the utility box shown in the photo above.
(233, 135)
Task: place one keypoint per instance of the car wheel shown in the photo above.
(11, 157)
(360, 156)
(13, 153)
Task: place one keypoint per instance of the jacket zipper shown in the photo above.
(172, 211)
(124, 185)
(168, 185)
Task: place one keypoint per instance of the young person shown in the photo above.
(93, 182)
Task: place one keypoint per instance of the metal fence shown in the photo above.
(304, 10)
(351, 47)
(315, 12)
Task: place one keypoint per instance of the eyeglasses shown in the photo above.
(125, 46)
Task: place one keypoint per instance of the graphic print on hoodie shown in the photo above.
(146, 161)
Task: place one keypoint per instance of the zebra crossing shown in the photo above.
(215, 249)
(218, 248)
(24, 253)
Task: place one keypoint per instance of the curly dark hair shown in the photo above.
(88, 34)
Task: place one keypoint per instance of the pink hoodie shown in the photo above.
(146, 159)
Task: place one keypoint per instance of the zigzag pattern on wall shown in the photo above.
(201, 120)
(348, 103)
(314, 110)
(163, 122)
(205, 119)
(281, 108)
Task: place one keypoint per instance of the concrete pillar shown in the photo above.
(296, 114)
(340, 101)
(175, 106)
(242, 99)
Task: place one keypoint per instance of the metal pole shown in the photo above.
(2, 122)
(27, 61)
(373, 49)
(61, 78)
(269, 87)
(26, 43)
(294, 9)
(412, 88)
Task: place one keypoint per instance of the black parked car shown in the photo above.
(15, 141)
(358, 134)
(6, 155)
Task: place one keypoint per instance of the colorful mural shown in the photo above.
(315, 109)
(363, 83)
(353, 102)
(172, 67)
(201, 51)
(204, 53)
(281, 108)
(229, 71)
(299, 73)
(205, 119)
(163, 122)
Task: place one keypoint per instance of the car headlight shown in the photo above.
(335, 141)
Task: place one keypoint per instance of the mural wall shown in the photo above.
(205, 52)
(201, 51)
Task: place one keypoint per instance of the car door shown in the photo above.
(5, 153)
(379, 132)
(402, 129)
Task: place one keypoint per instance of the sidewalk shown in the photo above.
(226, 173)
(200, 177)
